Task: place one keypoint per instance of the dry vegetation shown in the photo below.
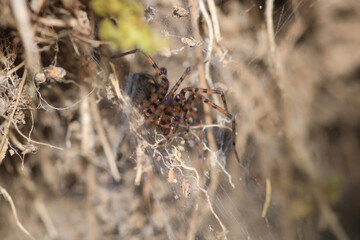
(76, 162)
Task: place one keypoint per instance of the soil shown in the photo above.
(77, 160)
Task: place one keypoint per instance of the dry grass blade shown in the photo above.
(207, 61)
(8, 198)
(215, 19)
(105, 143)
(267, 198)
(270, 31)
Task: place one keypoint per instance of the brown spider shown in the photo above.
(168, 110)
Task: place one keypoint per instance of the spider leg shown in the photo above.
(204, 90)
(164, 84)
(153, 107)
(122, 54)
(204, 99)
(181, 79)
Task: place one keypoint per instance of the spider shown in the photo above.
(168, 110)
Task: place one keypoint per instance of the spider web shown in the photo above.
(259, 62)
(223, 199)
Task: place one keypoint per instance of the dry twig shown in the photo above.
(208, 120)
(104, 141)
(21, 13)
(214, 18)
(210, 45)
